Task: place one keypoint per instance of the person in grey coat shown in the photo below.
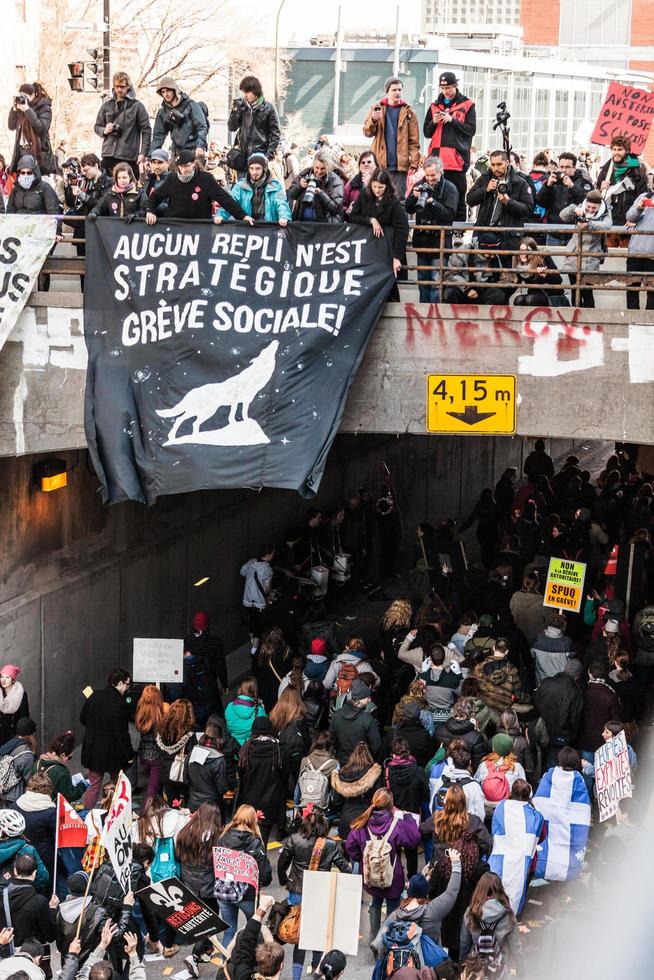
(181, 118)
(641, 216)
(123, 125)
(594, 217)
(416, 907)
(550, 649)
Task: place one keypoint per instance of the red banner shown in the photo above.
(628, 112)
(235, 865)
(71, 830)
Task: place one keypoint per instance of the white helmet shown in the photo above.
(12, 823)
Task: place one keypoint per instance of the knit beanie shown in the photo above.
(391, 81)
(502, 744)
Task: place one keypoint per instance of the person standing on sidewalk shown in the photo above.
(450, 125)
(396, 138)
(107, 746)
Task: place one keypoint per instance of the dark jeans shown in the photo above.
(429, 293)
(586, 298)
(636, 263)
(485, 297)
(458, 178)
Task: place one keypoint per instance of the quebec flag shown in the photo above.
(517, 828)
(563, 800)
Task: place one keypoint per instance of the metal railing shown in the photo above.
(580, 279)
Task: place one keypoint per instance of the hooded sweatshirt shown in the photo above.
(185, 134)
(407, 782)
(428, 916)
(493, 914)
(551, 651)
(352, 724)
(10, 847)
(39, 198)
(31, 916)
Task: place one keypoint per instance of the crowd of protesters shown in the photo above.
(431, 173)
(444, 756)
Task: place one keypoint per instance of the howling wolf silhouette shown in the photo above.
(203, 402)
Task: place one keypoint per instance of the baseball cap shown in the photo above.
(162, 155)
(448, 78)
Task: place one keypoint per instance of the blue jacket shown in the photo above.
(275, 204)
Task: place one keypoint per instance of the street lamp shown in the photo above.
(279, 13)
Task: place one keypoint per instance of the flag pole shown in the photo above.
(95, 864)
(56, 853)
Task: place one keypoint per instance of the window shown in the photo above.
(595, 22)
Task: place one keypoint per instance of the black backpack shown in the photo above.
(200, 682)
(205, 109)
(441, 792)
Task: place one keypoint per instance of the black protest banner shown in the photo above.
(176, 904)
(221, 356)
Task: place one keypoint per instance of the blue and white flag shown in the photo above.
(517, 828)
(563, 800)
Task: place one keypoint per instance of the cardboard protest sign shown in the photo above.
(176, 904)
(334, 901)
(116, 834)
(235, 866)
(25, 242)
(564, 588)
(612, 775)
(158, 659)
(626, 111)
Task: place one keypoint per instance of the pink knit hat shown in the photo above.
(10, 671)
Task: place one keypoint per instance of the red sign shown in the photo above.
(628, 112)
(71, 831)
(235, 865)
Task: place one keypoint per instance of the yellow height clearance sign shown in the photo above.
(471, 404)
(564, 588)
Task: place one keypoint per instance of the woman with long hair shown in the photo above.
(288, 724)
(366, 166)
(194, 851)
(319, 758)
(309, 849)
(295, 676)
(124, 199)
(381, 820)
(262, 781)
(174, 740)
(270, 665)
(454, 827)
(206, 770)
(14, 703)
(150, 712)
(393, 627)
(379, 208)
(242, 833)
(55, 763)
(498, 771)
(490, 914)
(536, 271)
(30, 117)
(242, 710)
(354, 785)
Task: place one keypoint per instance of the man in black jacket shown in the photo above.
(201, 642)
(32, 915)
(505, 200)
(124, 127)
(82, 195)
(451, 124)
(190, 193)
(564, 186)
(106, 746)
(434, 201)
(255, 121)
(352, 724)
(560, 702)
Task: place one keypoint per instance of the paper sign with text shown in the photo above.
(612, 775)
(116, 834)
(626, 111)
(565, 585)
(235, 866)
(158, 659)
(176, 904)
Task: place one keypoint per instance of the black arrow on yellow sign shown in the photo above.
(471, 415)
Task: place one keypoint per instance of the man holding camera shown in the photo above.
(451, 123)
(564, 186)
(255, 123)
(505, 200)
(181, 118)
(124, 126)
(396, 139)
(84, 185)
(434, 201)
(317, 194)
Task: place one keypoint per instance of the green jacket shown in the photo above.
(61, 780)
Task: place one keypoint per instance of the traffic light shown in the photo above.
(76, 72)
(94, 68)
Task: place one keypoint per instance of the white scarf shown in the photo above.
(11, 700)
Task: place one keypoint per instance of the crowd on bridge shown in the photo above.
(445, 755)
(170, 169)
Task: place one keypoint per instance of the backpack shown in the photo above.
(200, 682)
(314, 786)
(165, 864)
(441, 792)
(404, 944)
(106, 889)
(228, 890)
(487, 947)
(9, 778)
(645, 635)
(378, 863)
(495, 785)
(347, 674)
(205, 109)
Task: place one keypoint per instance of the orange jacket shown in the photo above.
(408, 136)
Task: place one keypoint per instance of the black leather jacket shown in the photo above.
(258, 128)
(296, 855)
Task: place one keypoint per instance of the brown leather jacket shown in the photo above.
(408, 137)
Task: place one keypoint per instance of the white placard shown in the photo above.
(157, 659)
(316, 893)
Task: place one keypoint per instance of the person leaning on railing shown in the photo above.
(434, 201)
(467, 273)
(592, 217)
(641, 249)
(536, 272)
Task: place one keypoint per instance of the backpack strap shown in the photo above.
(316, 854)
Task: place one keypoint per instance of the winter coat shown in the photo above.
(352, 793)
(528, 613)
(23, 766)
(296, 854)
(193, 201)
(328, 200)
(10, 847)
(538, 463)
(476, 828)
(521, 747)
(551, 651)
(351, 192)
(31, 916)
(462, 270)
(644, 221)
(39, 115)
(276, 205)
(404, 834)
(472, 790)
(390, 215)
(494, 914)
(451, 141)
(199, 878)
(499, 683)
(269, 674)
(40, 815)
(493, 212)
(239, 717)
(560, 702)
(211, 648)
(320, 758)
(257, 126)
(191, 132)
(360, 663)
(631, 185)
(89, 194)
(9, 720)
(135, 132)
(262, 783)
(601, 704)
(455, 728)
(59, 775)
(243, 840)
(294, 742)
(557, 197)
(40, 198)
(428, 916)
(151, 185)
(108, 892)
(593, 239)
(352, 724)
(206, 776)
(421, 743)
(106, 746)
(167, 752)
(408, 137)
(408, 783)
(119, 204)
(440, 689)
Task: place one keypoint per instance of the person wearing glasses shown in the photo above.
(450, 125)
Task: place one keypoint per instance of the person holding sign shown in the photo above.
(242, 836)
(621, 180)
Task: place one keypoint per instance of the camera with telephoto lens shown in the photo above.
(502, 187)
(425, 193)
(74, 174)
(310, 192)
(175, 117)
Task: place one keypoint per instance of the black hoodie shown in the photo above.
(262, 781)
(407, 782)
(31, 917)
(40, 198)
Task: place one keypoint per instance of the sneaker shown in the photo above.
(192, 965)
(170, 951)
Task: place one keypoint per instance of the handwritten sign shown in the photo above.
(626, 111)
(612, 775)
(235, 866)
(158, 659)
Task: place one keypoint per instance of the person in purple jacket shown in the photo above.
(376, 821)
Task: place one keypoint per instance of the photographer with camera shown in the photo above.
(181, 118)
(396, 138)
(594, 216)
(317, 194)
(505, 200)
(451, 124)
(434, 201)
(123, 125)
(564, 186)
(30, 117)
(84, 184)
(255, 123)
